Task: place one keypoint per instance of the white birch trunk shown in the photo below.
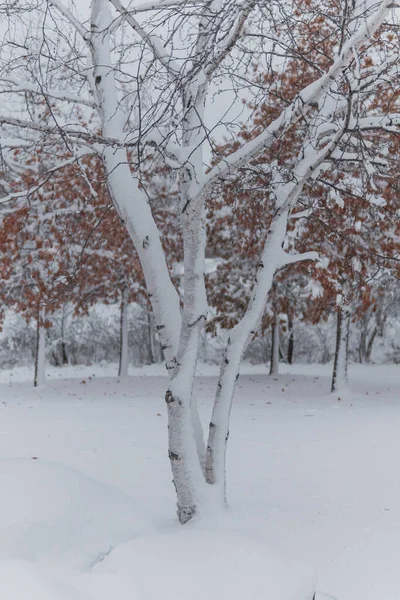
(179, 335)
(40, 357)
(339, 377)
(239, 338)
(273, 257)
(274, 366)
(186, 439)
(129, 200)
(123, 348)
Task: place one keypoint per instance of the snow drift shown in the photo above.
(198, 564)
(52, 512)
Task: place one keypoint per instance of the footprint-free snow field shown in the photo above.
(88, 507)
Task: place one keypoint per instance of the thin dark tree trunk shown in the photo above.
(290, 351)
(40, 355)
(370, 344)
(123, 345)
(339, 377)
(274, 365)
(150, 337)
(64, 355)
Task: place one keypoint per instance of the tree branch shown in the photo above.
(303, 102)
(27, 86)
(153, 41)
(68, 15)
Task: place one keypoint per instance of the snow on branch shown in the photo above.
(70, 17)
(224, 49)
(25, 193)
(153, 41)
(13, 143)
(17, 85)
(390, 122)
(152, 6)
(290, 259)
(304, 101)
(65, 131)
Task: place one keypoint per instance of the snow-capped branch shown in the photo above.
(150, 7)
(390, 122)
(290, 259)
(304, 101)
(229, 43)
(303, 214)
(153, 41)
(13, 143)
(60, 6)
(17, 85)
(65, 131)
(43, 178)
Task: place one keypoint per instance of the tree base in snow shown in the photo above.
(185, 514)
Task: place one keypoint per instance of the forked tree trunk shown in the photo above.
(123, 335)
(180, 351)
(40, 356)
(181, 354)
(339, 377)
(274, 363)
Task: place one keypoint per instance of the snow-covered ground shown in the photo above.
(310, 474)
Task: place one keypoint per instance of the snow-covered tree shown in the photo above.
(177, 53)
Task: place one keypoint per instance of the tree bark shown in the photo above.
(129, 200)
(339, 377)
(370, 344)
(274, 363)
(123, 344)
(290, 352)
(238, 341)
(40, 357)
(150, 337)
(64, 355)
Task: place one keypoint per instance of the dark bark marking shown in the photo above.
(193, 323)
(173, 455)
(169, 397)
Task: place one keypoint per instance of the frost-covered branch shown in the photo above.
(153, 41)
(17, 85)
(225, 47)
(64, 10)
(306, 100)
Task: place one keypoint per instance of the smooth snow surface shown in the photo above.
(21, 580)
(199, 564)
(310, 474)
(49, 511)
